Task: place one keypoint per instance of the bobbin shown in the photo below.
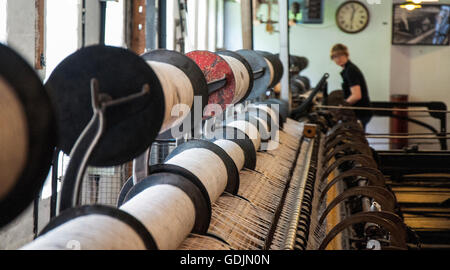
(218, 75)
(237, 136)
(248, 68)
(120, 73)
(232, 171)
(283, 109)
(298, 63)
(194, 189)
(192, 71)
(261, 72)
(266, 113)
(39, 134)
(170, 169)
(277, 67)
(263, 126)
(248, 128)
(85, 210)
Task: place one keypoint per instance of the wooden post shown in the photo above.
(247, 25)
(39, 37)
(138, 26)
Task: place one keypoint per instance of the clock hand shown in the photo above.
(353, 17)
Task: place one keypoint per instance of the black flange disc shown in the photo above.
(130, 127)
(257, 62)
(277, 67)
(232, 171)
(40, 124)
(283, 108)
(192, 71)
(247, 66)
(239, 137)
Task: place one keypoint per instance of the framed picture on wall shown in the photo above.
(427, 25)
(305, 11)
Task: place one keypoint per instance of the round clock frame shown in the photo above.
(343, 28)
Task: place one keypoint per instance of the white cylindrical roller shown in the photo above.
(177, 89)
(263, 128)
(249, 129)
(13, 138)
(273, 114)
(166, 211)
(91, 232)
(234, 151)
(207, 166)
(271, 70)
(241, 76)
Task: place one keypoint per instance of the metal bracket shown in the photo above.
(380, 194)
(374, 176)
(391, 222)
(86, 143)
(363, 160)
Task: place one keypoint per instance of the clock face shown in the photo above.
(352, 17)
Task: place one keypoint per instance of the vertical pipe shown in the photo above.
(54, 184)
(220, 24)
(83, 23)
(102, 22)
(36, 215)
(284, 50)
(151, 28)
(162, 24)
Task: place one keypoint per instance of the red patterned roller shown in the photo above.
(215, 68)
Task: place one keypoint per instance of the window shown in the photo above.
(62, 20)
(3, 34)
(114, 24)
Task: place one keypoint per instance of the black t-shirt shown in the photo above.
(353, 76)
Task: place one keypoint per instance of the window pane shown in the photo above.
(2, 21)
(114, 25)
(62, 31)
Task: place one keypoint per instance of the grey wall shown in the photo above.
(21, 32)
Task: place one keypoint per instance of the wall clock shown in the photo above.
(352, 17)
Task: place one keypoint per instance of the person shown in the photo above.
(354, 84)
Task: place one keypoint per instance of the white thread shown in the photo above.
(166, 211)
(270, 70)
(13, 138)
(273, 114)
(249, 129)
(207, 166)
(177, 90)
(241, 76)
(262, 127)
(92, 232)
(234, 151)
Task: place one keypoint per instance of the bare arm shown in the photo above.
(355, 96)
